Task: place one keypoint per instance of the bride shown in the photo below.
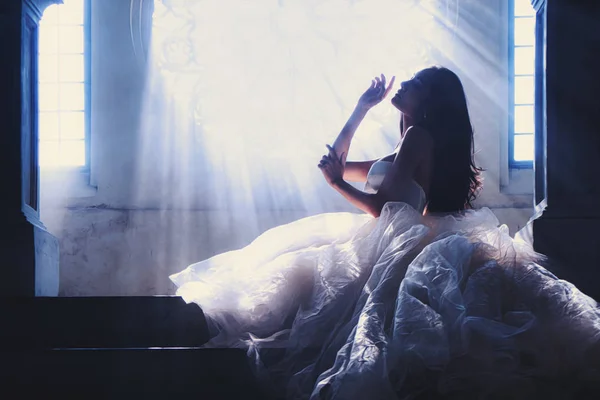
(420, 296)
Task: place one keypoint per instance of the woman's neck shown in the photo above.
(406, 121)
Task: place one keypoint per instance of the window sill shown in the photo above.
(518, 194)
(520, 182)
(65, 182)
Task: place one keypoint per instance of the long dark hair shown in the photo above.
(456, 179)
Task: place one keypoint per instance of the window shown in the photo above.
(522, 83)
(64, 85)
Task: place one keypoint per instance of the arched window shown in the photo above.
(64, 84)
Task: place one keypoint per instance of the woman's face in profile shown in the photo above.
(411, 95)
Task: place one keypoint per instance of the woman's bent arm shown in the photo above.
(368, 202)
(342, 142)
(356, 171)
(371, 97)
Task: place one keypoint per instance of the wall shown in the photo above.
(111, 245)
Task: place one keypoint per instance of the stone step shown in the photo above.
(116, 373)
(100, 322)
(212, 374)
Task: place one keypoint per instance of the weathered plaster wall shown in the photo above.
(109, 246)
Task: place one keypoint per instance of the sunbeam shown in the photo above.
(242, 98)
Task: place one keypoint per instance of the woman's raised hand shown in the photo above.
(376, 92)
(333, 166)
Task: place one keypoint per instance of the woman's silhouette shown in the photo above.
(421, 295)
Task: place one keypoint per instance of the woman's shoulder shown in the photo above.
(418, 137)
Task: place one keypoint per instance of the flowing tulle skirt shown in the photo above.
(349, 307)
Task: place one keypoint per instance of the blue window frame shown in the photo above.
(521, 83)
(64, 85)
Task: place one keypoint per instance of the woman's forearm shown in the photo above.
(357, 171)
(369, 203)
(342, 142)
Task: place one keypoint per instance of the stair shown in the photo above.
(116, 373)
(100, 322)
(133, 347)
(115, 347)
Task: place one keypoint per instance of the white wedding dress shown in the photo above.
(347, 306)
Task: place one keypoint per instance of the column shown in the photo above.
(28, 253)
(567, 166)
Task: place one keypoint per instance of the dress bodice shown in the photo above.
(411, 192)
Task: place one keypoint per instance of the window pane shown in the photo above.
(73, 5)
(48, 96)
(524, 31)
(72, 153)
(524, 90)
(70, 17)
(71, 68)
(523, 8)
(524, 148)
(524, 119)
(50, 15)
(71, 39)
(48, 40)
(71, 13)
(61, 40)
(48, 68)
(72, 125)
(524, 60)
(49, 153)
(49, 127)
(71, 97)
